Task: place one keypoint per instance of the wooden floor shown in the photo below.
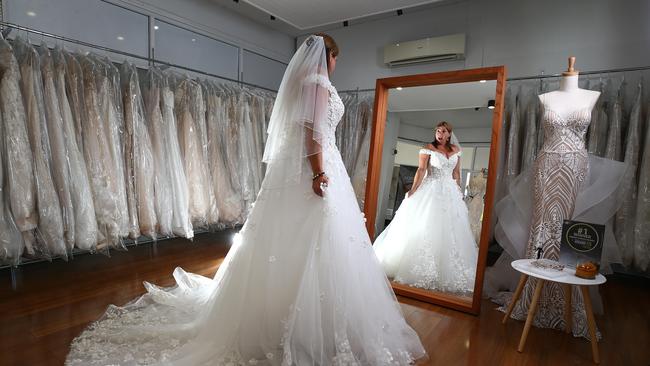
(53, 302)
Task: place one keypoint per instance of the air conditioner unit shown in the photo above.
(434, 49)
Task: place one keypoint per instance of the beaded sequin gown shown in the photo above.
(560, 169)
(294, 289)
(429, 244)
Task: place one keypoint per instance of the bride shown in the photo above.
(429, 244)
(300, 286)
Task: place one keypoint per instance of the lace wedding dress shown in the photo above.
(429, 244)
(301, 285)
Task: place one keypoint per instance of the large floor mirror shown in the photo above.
(431, 178)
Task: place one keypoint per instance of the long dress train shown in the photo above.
(294, 289)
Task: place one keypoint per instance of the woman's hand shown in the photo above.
(316, 185)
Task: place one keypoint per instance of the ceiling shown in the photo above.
(442, 97)
(297, 17)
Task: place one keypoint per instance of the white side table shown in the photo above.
(566, 280)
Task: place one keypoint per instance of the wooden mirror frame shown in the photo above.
(497, 73)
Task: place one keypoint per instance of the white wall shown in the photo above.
(529, 37)
(230, 41)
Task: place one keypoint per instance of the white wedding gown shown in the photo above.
(301, 286)
(429, 244)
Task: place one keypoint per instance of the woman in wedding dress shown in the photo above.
(300, 285)
(429, 244)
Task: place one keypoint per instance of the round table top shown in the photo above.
(565, 276)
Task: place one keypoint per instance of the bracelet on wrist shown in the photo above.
(316, 176)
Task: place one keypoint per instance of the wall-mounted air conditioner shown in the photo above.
(434, 49)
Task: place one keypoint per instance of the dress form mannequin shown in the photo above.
(560, 170)
(569, 98)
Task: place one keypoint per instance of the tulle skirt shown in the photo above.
(429, 244)
(300, 286)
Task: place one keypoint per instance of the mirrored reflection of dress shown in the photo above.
(476, 202)
(429, 244)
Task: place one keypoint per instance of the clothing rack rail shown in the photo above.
(151, 60)
(542, 76)
(7, 28)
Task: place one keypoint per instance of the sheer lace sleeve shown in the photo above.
(312, 112)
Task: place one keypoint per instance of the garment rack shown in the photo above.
(151, 60)
(127, 242)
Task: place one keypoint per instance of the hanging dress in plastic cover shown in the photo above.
(227, 200)
(198, 115)
(97, 154)
(232, 146)
(11, 242)
(529, 151)
(138, 151)
(597, 135)
(74, 87)
(641, 227)
(248, 165)
(19, 183)
(191, 149)
(625, 217)
(257, 117)
(513, 153)
(49, 239)
(614, 146)
(110, 98)
(59, 155)
(162, 185)
(85, 224)
(181, 220)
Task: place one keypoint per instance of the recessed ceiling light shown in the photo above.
(156, 27)
(31, 13)
(399, 88)
(193, 39)
(397, 45)
(120, 38)
(483, 81)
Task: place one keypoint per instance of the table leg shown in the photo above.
(592, 323)
(531, 314)
(568, 313)
(520, 288)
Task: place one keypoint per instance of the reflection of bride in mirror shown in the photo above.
(429, 244)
